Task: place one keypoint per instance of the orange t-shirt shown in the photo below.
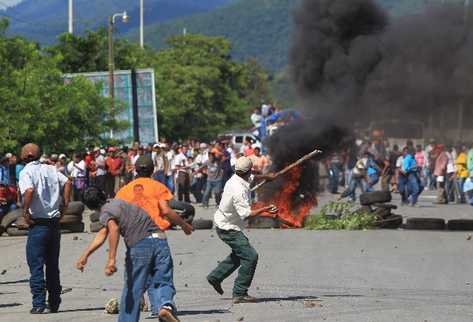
(146, 194)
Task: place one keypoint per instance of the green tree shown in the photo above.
(201, 91)
(38, 106)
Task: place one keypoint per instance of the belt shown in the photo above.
(158, 235)
(46, 221)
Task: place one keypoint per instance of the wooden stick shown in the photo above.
(289, 167)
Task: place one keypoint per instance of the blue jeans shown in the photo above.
(372, 181)
(148, 265)
(460, 183)
(216, 187)
(402, 187)
(334, 179)
(170, 183)
(159, 176)
(355, 182)
(414, 188)
(42, 249)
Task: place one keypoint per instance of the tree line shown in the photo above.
(200, 90)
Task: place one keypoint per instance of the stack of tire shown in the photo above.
(71, 222)
(378, 203)
(95, 225)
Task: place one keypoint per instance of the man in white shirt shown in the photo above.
(41, 186)
(233, 209)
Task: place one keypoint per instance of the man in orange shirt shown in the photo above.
(153, 197)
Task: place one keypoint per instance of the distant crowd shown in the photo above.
(408, 170)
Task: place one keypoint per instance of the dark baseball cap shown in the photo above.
(144, 162)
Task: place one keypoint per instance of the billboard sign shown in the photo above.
(146, 98)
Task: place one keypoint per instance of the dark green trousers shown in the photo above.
(243, 255)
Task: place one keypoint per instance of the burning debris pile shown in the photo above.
(295, 192)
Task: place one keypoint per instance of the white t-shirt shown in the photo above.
(171, 162)
(78, 170)
(100, 163)
(180, 161)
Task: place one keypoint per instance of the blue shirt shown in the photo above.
(409, 163)
(4, 175)
(19, 167)
(47, 184)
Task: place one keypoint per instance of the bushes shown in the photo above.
(341, 216)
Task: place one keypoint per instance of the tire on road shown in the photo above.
(14, 231)
(184, 209)
(95, 216)
(202, 224)
(75, 208)
(11, 218)
(70, 219)
(370, 198)
(385, 206)
(95, 227)
(72, 228)
(390, 222)
(382, 213)
(263, 223)
(460, 224)
(425, 223)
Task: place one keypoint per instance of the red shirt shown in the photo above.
(113, 165)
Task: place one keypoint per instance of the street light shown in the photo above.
(111, 65)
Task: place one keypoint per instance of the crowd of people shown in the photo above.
(189, 169)
(408, 171)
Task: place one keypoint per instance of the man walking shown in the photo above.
(233, 209)
(41, 187)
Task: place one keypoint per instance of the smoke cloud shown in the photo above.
(351, 63)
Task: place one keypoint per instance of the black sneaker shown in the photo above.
(216, 285)
(39, 310)
(244, 299)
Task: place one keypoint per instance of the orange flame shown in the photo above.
(292, 214)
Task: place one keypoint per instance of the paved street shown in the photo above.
(302, 276)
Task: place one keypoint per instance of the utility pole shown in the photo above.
(111, 64)
(71, 17)
(142, 40)
(111, 67)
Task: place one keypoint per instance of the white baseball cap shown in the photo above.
(243, 164)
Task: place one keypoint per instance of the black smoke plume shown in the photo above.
(352, 65)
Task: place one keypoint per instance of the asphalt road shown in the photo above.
(302, 275)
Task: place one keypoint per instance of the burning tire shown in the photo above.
(263, 223)
(202, 224)
(425, 223)
(460, 224)
(371, 198)
(390, 222)
(95, 227)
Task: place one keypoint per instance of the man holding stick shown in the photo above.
(233, 209)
